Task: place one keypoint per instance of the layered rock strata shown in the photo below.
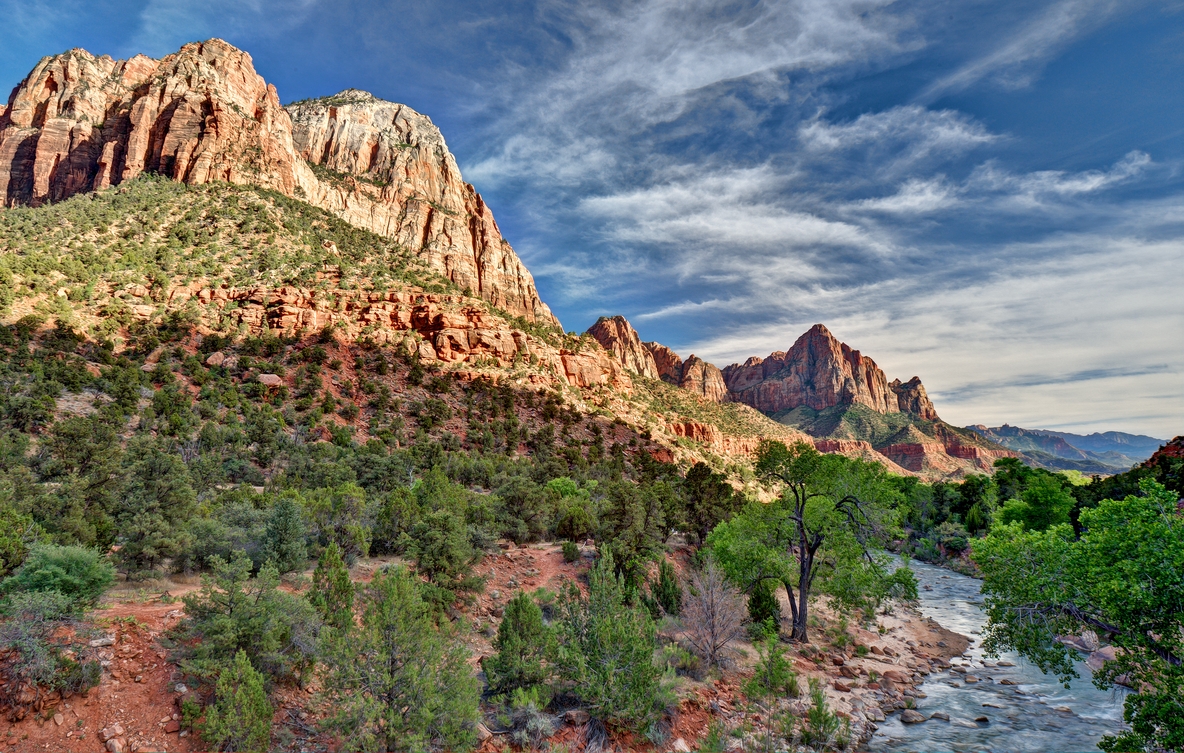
(819, 372)
(80, 123)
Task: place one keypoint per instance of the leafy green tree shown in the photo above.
(398, 682)
(332, 592)
(710, 500)
(1124, 579)
(82, 575)
(1044, 503)
(606, 654)
(816, 536)
(239, 720)
(524, 646)
(285, 544)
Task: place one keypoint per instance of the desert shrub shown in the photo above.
(240, 718)
(571, 551)
(529, 724)
(82, 575)
(399, 682)
(606, 650)
(341, 514)
(713, 613)
(709, 500)
(17, 532)
(42, 657)
(237, 527)
(524, 646)
(332, 592)
(234, 612)
(151, 514)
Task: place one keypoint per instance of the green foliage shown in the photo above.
(571, 551)
(764, 608)
(606, 650)
(36, 628)
(710, 500)
(17, 532)
(821, 724)
(240, 718)
(667, 592)
(1044, 503)
(234, 612)
(285, 535)
(1123, 578)
(158, 499)
(332, 592)
(341, 515)
(81, 575)
(524, 648)
(398, 682)
(773, 675)
(442, 551)
(529, 724)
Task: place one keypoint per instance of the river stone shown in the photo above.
(874, 713)
(940, 715)
(982, 719)
(911, 716)
(970, 679)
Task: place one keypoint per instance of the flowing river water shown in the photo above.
(1037, 714)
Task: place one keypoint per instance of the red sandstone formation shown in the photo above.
(79, 123)
(618, 337)
(819, 372)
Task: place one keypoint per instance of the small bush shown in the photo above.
(82, 575)
(571, 551)
(773, 675)
(529, 724)
(332, 592)
(821, 723)
(667, 592)
(240, 718)
(764, 609)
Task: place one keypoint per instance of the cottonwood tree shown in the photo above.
(1123, 579)
(819, 535)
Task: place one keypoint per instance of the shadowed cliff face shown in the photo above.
(79, 123)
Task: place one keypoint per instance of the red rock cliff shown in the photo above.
(618, 337)
(80, 123)
(819, 372)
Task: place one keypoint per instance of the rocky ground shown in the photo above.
(871, 673)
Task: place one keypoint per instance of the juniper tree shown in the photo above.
(332, 592)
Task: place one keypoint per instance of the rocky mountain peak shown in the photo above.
(81, 123)
(618, 337)
(820, 372)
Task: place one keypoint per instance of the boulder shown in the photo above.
(911, 716)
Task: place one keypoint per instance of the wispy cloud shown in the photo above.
(164, 25)
(1017, 59)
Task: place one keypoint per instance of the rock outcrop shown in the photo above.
(819, 372)
(668, 363)
(703, 379)
(618, 337)
(80, 123)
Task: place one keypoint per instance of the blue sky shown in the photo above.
(989, 194)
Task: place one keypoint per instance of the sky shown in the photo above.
(986, 194)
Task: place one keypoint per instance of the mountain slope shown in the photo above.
(79, 123)
(1110, 452)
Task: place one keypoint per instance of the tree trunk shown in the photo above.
(801, 615)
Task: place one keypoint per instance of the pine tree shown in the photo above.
(667, 591)
(285, 536)
(398, 682)
(332, 591)
(240, 718)
(523, 644)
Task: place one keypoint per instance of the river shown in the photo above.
(1037, 714)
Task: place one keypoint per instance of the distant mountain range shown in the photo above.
(1100, 452)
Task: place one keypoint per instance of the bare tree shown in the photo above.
(713, 613)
